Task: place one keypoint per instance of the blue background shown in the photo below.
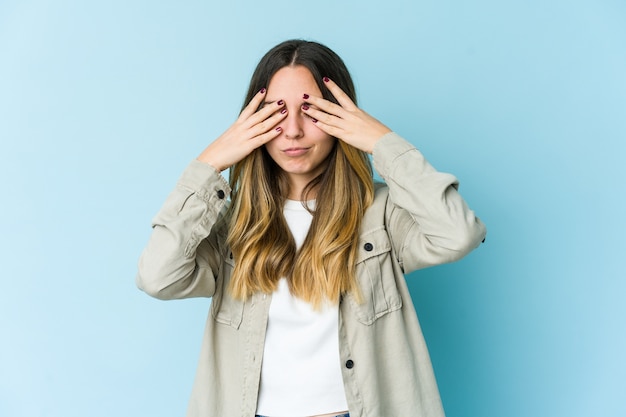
(102, 104)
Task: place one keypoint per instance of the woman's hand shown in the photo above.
(344, 121)
(251, 129)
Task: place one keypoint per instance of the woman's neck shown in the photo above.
(295, 192)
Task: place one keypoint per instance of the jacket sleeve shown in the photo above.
(183, 254)
(427, 220)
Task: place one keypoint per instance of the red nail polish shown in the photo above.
(283, 111)
(262, 91)
(306, 96)
(280, 102)
(279, 129)
(326, 79)
(305, 107)
(313, 120)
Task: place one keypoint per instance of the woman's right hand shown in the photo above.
(251, 130)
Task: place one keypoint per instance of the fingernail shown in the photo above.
(326, 79)
(280, 102)
(305, 96)
(305, 107)
(283, 111)
(279, 129)
(262, 90)
(314, 120)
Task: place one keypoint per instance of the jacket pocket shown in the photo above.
(376, 278)
(224, 308)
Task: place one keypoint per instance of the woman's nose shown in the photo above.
(292, 124)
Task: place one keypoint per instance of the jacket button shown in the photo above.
(220, 194)
(368, 247)
(349, 364)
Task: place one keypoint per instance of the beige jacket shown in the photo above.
(417, 220)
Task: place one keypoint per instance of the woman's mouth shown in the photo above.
(295, 151)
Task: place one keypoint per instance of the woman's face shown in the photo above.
(301, 150)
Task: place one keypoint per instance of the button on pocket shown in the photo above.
(376, 278)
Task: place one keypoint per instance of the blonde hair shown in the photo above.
(263, 248)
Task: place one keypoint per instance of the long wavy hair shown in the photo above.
(263, 248)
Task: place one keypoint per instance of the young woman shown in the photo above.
(310, 312)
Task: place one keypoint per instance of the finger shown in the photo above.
(262, 139)
(342, 98)
(263, 113)
(323, 104)
(254, 104)
(334, 131)
(267, 124)
(321, 115)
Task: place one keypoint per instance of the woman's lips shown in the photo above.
(295, 151)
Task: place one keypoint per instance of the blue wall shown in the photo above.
(103, 104)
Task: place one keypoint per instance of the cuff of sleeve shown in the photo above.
(388, 148)
(205, 179)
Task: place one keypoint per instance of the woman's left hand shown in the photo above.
(344, 121)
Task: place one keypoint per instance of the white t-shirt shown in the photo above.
(301, 371)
